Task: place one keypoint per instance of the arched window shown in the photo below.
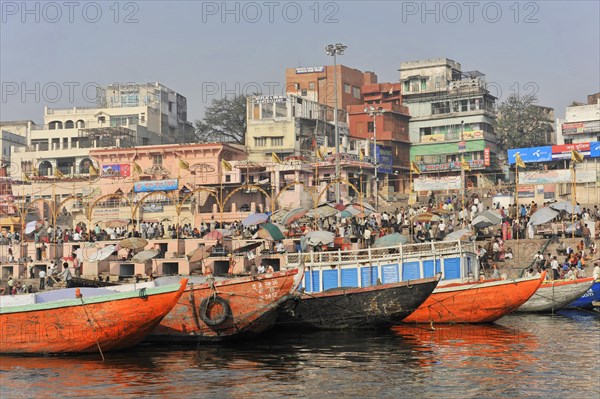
(45, 169)
(69, 125)
(55, 125)
(84, 165)
(80, 124)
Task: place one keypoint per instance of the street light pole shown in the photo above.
(463, 186)
(374, 112)
(334, 50)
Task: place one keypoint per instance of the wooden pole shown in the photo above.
(517, 206)
(573, 202)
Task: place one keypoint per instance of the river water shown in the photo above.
(554, 356)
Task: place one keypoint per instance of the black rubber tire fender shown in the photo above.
(214, 300)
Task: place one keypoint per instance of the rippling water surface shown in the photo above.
(519, 356)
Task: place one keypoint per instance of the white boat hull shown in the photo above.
(554, 295)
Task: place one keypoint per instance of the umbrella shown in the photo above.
(486, 219)
(213, 235)
(492, 216)
(427, 217)
(322, 211)
(225, 232)
(197, 254)
(319, 237)
(543, 215)
(562, 206)
(278, 215)
(340, 207)
(365, 209)
(269, 231)
(32, 226)
(117, 223)
(102, 253)
(143, 256)
(349, 212)
(390, 240)
(462, 235)
(247, 247)
(133, 243)
(293, 215)
(255, 218)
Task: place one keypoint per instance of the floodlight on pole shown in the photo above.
(335, 50)
(374, 113)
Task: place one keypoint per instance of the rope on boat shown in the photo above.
(92, 326)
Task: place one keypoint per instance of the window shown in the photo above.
(568, 141)
(170, 106)
(423, 84)
(157, 160)
(145, 141)
(101, 119)
(304, 92)
(227, 178)
(260, 141)
(406, 86)
(355, 92)
(347, 88)
(143, 117)
(280, 110)
(267, 110)
(277, 141)
(311, 85)
(370, 127)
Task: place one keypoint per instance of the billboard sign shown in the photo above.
(556, 176)
(595, 149)
(486, 156)
(146, 186)
(436, 183)
(116, 170)
(314, 69)
(563, 151)
(532, 154)
(581, 127)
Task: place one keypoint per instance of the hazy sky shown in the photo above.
(54, 53)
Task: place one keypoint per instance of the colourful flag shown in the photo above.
(361, 154)
(137, 168)
(414, 168)
(26, 178)
(464, 164)
(93, 171)
(576, 156)
(58, 173)
(518, 161)
(183, 165)
(275, 158)
(320, 155)
(226, 165)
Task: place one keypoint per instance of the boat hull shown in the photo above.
(586, 301)
(371, 307)
(556, 294)
(85, 325)
(477, 302)
(252, 303)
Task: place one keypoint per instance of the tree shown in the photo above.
(522, 123)
(224, 121)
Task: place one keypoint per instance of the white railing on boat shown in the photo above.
(456, 261)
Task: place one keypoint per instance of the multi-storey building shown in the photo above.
(389, 127)
(452, 115)
(581, 123)
(318, 84)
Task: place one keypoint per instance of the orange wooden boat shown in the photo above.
(476, 302)
(227, 309)
(83, 320)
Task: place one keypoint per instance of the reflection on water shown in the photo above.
(519, 356)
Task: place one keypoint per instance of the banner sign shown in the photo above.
(269, 99)
(151, 208)
(595, 149)
(156, 185)
(581, 127)
(486, 156)
(472, 134)
(437, 167)
(532, 154)
(556, 176)
(384, 159)
(563, 151)
(317, 69)
(431, 183)
(526, 191)
(116, 170)
(106, 213)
